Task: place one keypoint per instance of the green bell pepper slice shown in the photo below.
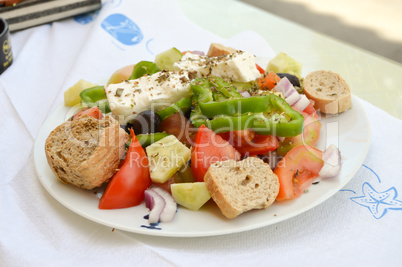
(232, 107)
(182, 105)
(213, 89)
(246, 86)
(278, 119)
(142, 68)
(268, 115)
(96, 96)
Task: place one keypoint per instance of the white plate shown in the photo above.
(353, 141)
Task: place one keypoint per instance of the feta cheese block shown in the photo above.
(238, 67)
(153, 92)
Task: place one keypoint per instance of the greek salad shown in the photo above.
(187, 110)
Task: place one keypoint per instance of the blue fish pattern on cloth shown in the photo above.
(377, 202)
(123, 29)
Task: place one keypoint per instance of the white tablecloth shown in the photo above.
(359, 226)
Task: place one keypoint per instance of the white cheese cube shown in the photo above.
(238, 67)
(154, 92)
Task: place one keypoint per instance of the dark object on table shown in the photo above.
(9, 2)
(29, 13)
(6, 54)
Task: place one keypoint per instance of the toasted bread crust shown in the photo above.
(237, 187)
(86, 152)
(216, 50)
(329, 91)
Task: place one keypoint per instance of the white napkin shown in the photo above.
(35, 230)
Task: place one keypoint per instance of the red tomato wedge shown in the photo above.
(261, 70)
(208, 149)
(93, 112)
(127, 186)
(260, 144)
(310, 110)
(268, 80)
(236, 138)
(310, 135)
(249, 143)
(297, 170)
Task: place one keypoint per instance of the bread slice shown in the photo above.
(86, 152)
(329, 91)
(240, 186)
(216, 50)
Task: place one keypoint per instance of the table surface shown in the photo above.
(371, 77)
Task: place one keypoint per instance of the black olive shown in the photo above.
(144, 123)
(188, 113)
(292, 78)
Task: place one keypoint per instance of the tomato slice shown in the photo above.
(310, 135)
(127, 186)
(268, 80)
(310, 110)
(249, 143)
(93, 112)
(260, 70)
(166, 185)
(178, 125)
(261, 144)
(208, 149)
(236, 138)
(297, 170)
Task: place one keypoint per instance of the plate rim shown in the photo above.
(144, 231)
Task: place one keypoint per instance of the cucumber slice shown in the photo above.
(284, 63)
(166, 157)
(190, 195)
(165, 60)
(72, 95)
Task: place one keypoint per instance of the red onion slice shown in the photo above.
(155, 203)
(281, 138)
(285, 87)
(170, 208)
(291, 95)
(293, 98)
(303, 103)
(332, 162)
(245, 94)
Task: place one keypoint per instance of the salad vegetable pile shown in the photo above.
(185, 111)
